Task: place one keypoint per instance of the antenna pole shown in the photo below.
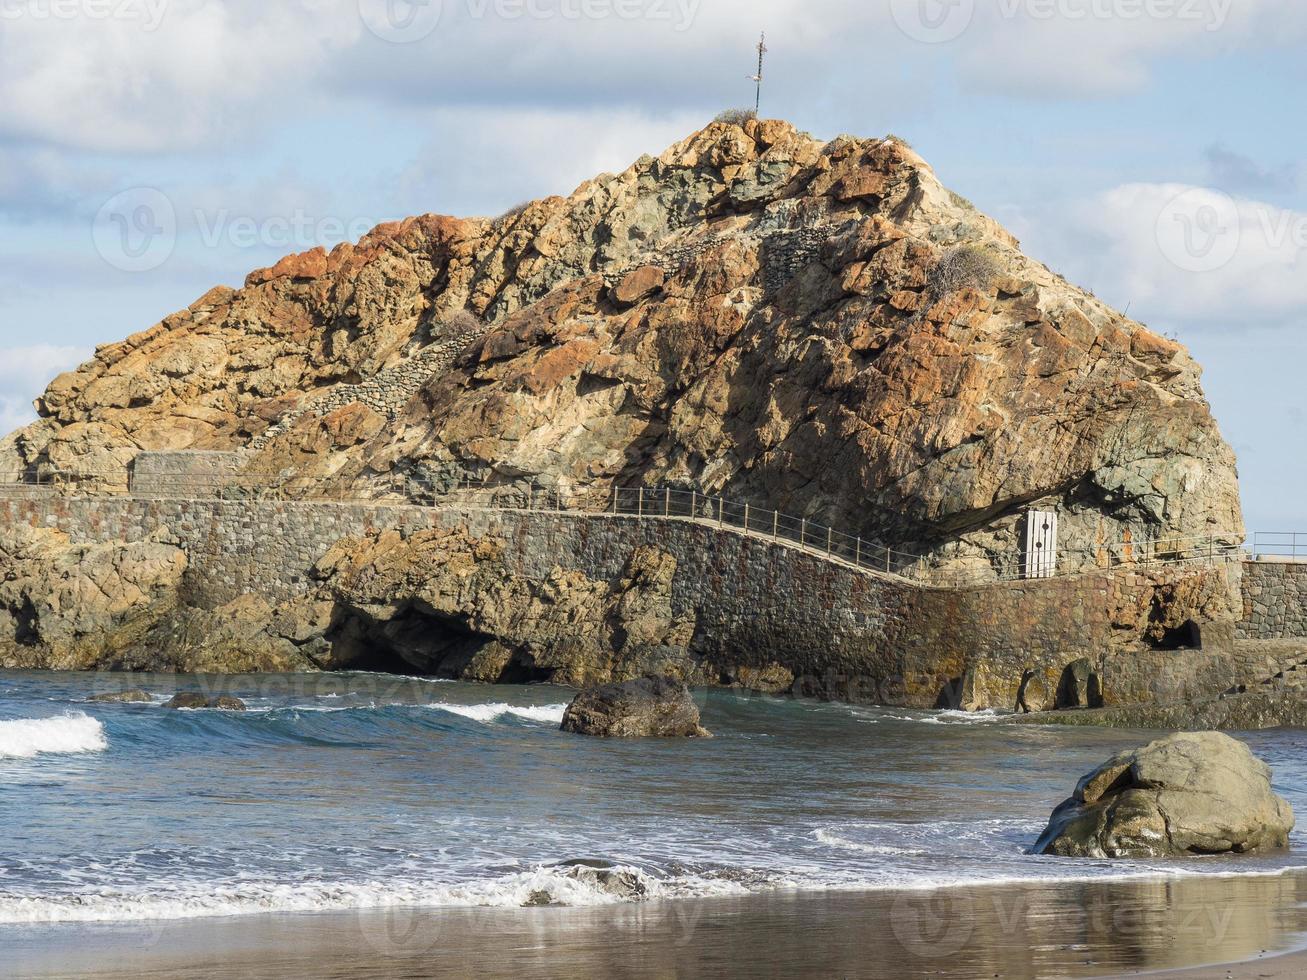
(762, 50)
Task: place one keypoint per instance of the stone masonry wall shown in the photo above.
(1274, 600)
(184, 472)
(758, 604)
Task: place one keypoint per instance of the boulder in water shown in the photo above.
(651, 706)
(1192, 793)
(619, 882)
(193, 699)
(136, 696)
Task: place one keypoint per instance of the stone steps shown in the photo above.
(386, 393)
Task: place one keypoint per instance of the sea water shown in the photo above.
(356, 791)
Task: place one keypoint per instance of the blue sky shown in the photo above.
(1106, 134)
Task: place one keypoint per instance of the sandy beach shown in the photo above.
(1162, 928)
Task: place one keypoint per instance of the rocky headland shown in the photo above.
(820, 328)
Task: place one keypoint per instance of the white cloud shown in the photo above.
(535, 154)
(128, 84)
(24, 374)
(1179, 254)
(1091, 48)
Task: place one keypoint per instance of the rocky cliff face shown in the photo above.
(817, 327)
(66, 606)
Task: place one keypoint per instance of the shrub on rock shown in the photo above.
(1188, 794)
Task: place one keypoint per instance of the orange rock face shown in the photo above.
(817, 327)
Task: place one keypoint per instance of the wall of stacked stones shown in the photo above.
(1274, 600)
(185, 472)
(758, 604)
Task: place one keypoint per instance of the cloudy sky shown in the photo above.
(1151, 150)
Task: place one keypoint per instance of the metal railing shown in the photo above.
(1279, 546)
(667, 503)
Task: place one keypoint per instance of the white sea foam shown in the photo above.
(835, 840)
(189, 900)
(548, 714)
(26, 738)
(874, 716)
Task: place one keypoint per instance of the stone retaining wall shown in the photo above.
(184, 472)
(762, 608)
(1274, 600)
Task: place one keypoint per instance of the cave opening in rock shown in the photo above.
(1187, 636)
(412, 639)
(26, 633)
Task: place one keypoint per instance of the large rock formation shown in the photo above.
(442, 603)
(434, 602)
(818, 327)
(67, 606)
(1202, 793)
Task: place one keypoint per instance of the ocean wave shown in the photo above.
(549, 714)
(835, 840)
(26, 738)
(561, 885)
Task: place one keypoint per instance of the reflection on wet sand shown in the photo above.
(1087, 929)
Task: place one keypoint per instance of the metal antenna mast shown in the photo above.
(762, 50)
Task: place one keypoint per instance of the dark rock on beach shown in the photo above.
(121, 697)
(193, 699)
(1187, 794)
(657, 706)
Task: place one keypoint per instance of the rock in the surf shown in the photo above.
(121, 697)
(193, 699)
(1187, 794)
(651, 706)
(613, 880)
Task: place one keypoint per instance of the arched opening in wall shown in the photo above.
(1187, 636)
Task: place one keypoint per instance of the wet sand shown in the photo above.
(1017, 931)
(1292, 966)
